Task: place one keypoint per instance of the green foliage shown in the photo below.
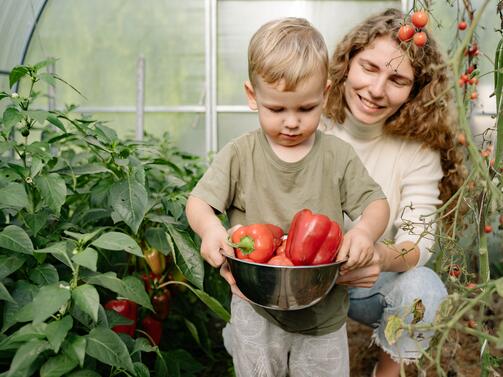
(78, 207)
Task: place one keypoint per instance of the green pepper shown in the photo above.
(312, 239)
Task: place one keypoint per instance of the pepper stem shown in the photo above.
(245, 244)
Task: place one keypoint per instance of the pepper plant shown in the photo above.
(79, 211)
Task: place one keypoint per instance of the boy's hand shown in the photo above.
(357, 247)
(214, 245)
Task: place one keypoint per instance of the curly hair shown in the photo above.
(427, 115)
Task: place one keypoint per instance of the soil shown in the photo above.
(461, 360)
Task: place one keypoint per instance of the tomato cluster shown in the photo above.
(407, 31)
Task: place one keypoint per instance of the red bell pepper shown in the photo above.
(160, 302)
(277, 233)
(280, 260)
(312, 239)
(126, 309)
(255, 242)
(153, 327)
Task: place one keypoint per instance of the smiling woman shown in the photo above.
(389, 101)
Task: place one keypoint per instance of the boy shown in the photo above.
(267, 176)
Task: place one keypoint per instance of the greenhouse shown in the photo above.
(251, 188)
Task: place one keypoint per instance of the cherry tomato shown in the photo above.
(474, 96)
(280, 260)
(455, 270)
(462, 25)
(420, 39)
(488, 228)
(419, 18)
(406, 32)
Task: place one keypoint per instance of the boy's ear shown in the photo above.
(326, 90)
(250, 95)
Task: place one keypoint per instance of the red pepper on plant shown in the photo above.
(125, 308)
(311, 234)
(161, 303)
(153, 327)
(255, 242)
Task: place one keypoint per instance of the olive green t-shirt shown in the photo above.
(249, 182)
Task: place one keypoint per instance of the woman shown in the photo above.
(389, 101)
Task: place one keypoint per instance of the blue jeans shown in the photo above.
(393, 294)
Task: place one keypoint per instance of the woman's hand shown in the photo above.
(364, 276)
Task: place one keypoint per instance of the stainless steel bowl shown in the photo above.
(283, 287)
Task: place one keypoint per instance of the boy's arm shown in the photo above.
(207, 225)
(358, 244)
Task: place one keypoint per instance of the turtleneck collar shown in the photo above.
(361, 130)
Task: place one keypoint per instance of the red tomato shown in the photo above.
(419, 18)
(406, 32)
(462, 25)
(474, 96)
(420, 39)
(488, 228)
(455, 270)
(280, 260)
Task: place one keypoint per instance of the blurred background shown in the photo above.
(179, 66)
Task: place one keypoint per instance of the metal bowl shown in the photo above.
(283, 287)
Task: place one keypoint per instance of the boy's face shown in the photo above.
(289, 119)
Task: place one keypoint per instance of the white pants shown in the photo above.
(259, 348)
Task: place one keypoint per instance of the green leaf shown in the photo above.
(118, 241)
(44, 63)
(86, 297)
(57, 331)
(129, 201)
(75, 347)
(5, 295)
(188, 258)
(83, 237)
(211, 302)
(84, 170)
(44, 274)
(108, 280)
(35, 221)
(57, 366)
(87, 258)
(134, 290)
(499, 286)
(49, 300)
(84, 373)
(106, 346)
(23, 294)
(15, 238)
(47, 77)
(14, 196)
(60, 251)
(10, 263)
(143, 345)
(394, 329)
(141, 370)
(39, 115)
(54, 120)
(193, 330)
(11, 117)
(23, 335)
(52, 189)
(161, 367)
(158, 239)
(25, 356)
(17, 73)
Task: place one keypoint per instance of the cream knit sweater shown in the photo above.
(408, 174)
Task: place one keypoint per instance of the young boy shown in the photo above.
(266, 176)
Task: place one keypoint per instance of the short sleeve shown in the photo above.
(358, 189)
(419, 200)
(217, 186)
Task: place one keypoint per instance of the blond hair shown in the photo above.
(423, 117)
(289, 49)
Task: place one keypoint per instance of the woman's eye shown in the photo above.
(368, 68)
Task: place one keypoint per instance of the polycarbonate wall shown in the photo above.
(201, 104)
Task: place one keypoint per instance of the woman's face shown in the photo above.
(379, 81)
